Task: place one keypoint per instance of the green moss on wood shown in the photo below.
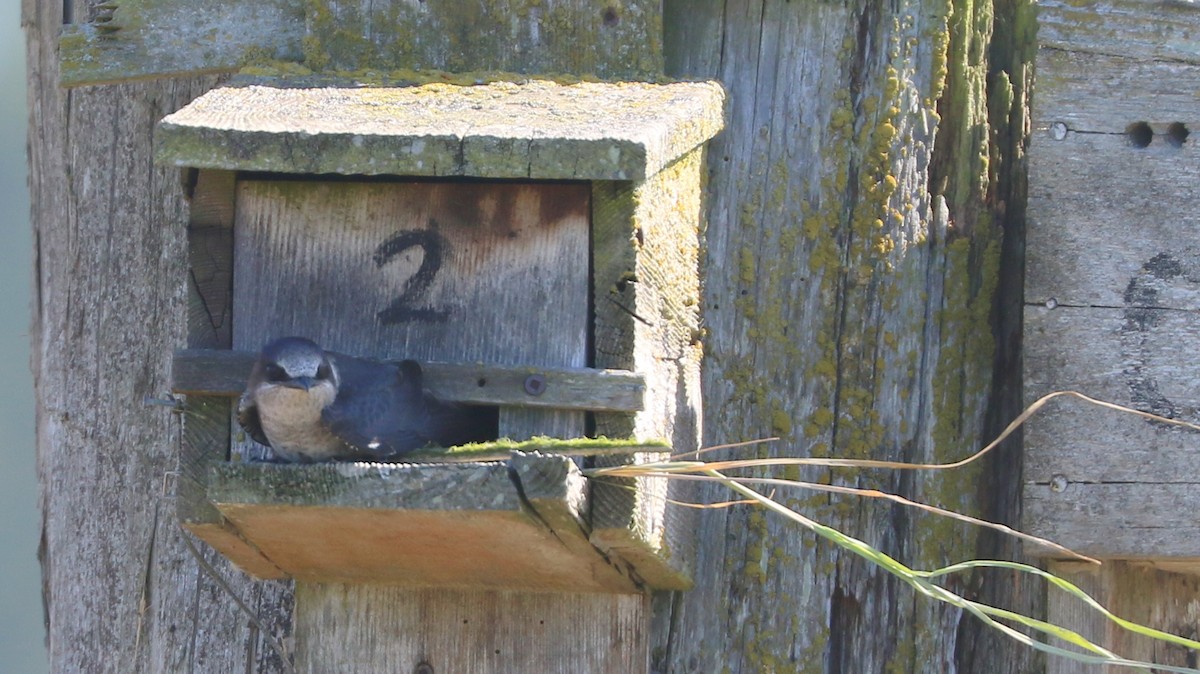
(501, 449)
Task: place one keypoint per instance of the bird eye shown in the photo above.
(324, 371)
(275, 373)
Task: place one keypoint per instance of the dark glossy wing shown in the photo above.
(380, 407)
(383, 411)
(247, 416)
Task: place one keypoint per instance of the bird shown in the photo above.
(310, 405)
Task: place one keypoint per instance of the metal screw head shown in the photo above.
(1058, 130)
(535, 384)
(1058, 483)
(1052, 303)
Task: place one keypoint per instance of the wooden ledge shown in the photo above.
(536, 129)
(515, 525)
(223, 373)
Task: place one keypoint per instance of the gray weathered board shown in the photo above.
(536, 129)
(134, 39)
(1113, 281)
(223, 373)
(469, 631)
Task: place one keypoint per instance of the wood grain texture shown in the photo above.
(1103, 94)
(851, 319)
(1134, 591)
(329, 260)
(225, 372)
(1113, 264)
(1112, 254)
(646, 287)
(536, 129)
(1106, 218)
(1117, 521)
(136, 39)
(122, 591)
(1150, 30)
(1126, 356)
(584, 37)
(799, 304)
(469, 631)
(464, 525)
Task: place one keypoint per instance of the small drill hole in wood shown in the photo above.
(1177, 134)
(1139, 134)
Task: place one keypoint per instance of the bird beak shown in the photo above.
(305, 383)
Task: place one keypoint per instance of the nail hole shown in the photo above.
(1177, 134)
(1139, 134)
(610, 16)
(423, 668)
(481, 382)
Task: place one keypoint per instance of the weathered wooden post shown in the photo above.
(339, 211)
(862, 204)
(1112, 290)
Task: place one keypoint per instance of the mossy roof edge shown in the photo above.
(538, 129)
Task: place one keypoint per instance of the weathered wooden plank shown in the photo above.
(210, 306)
(1150, 30)
(1127, 356)
(583, 37)
(1115, 520)
(206, 433)
(1102, 483)
(533, 130)
(469, 631)
(466, 525)
(854, 319)
(224, 373)
(1135, 591)
(646, 289)
(1112, 225)
(428, 271)
(106, 320)
(1096, 93)
(138, 39)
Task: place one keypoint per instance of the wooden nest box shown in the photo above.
(534, 245)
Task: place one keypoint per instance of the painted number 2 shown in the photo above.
(405, 308)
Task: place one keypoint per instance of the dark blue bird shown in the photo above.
(310, 405)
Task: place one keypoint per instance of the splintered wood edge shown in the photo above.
(217, 372)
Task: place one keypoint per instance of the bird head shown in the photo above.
(296, 363)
